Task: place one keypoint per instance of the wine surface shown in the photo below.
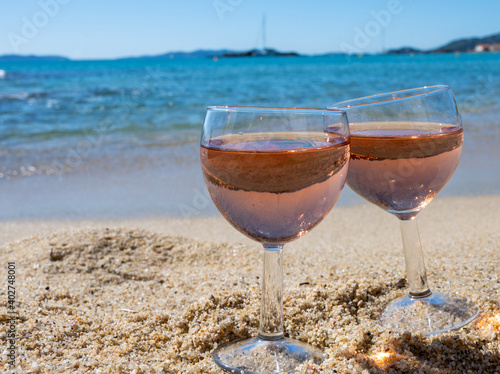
(402, 170)
(275, 187)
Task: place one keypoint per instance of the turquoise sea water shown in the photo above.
(120, 138)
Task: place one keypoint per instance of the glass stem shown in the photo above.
(271, 310)
(414, 258)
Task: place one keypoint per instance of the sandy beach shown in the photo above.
(158, 295)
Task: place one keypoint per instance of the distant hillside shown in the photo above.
(259, 53)
(459, 45)
(15, 58)
(464, 45)
(201, 53)
(404, 51)
(209, 53)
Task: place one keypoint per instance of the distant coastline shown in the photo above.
(485, 44)
(259, 53)
(14, 58)
(489, 43)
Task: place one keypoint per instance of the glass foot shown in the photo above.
(257, 355)
(429, 315)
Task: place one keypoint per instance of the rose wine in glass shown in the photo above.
(402, 170)
(405, 146)
(274, 174)
(269, 186)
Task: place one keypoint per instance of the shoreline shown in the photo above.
(194, 227)
(168, 182)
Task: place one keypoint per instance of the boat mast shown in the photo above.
(263, 32)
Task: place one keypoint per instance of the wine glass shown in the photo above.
(274, 174)
(405, 146)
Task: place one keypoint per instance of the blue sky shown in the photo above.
(88, 29)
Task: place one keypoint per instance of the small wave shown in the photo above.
(16, 96)
(52, 103)
(32, 138)
(107, 92)
(21, 96)
(130, 92)
(3, 73)
(37, 95)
